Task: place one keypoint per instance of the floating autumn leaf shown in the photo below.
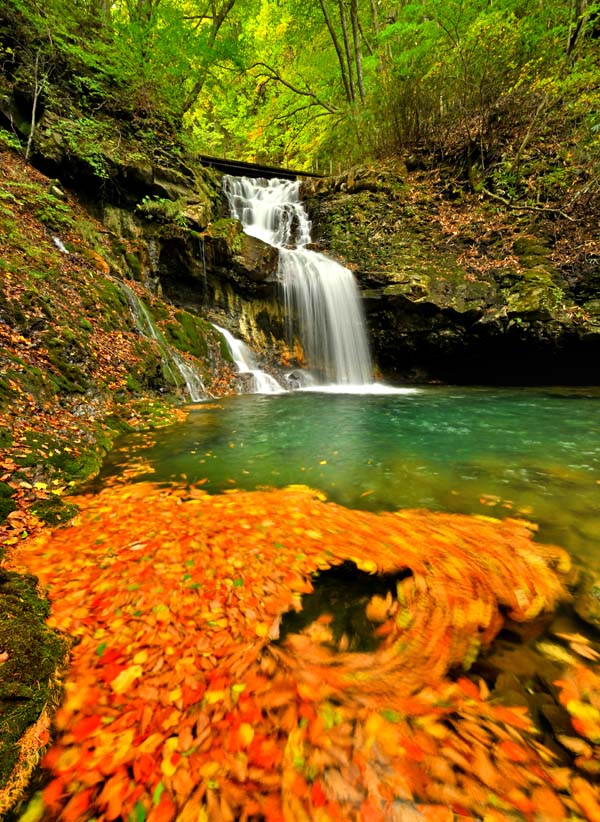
(180, 704)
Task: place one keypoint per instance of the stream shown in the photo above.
(527, 453)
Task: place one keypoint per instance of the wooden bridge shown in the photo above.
(237, 168)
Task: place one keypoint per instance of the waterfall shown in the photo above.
(245, 361)
(321, 298)
(173, 363)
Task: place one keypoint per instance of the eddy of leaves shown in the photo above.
(178, 706)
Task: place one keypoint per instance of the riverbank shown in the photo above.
(76, 372)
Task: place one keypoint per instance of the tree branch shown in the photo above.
(508, 204)
(274, 75)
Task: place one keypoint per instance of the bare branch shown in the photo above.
(274, 75)
(515, 207)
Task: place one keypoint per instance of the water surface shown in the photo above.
(512, 452)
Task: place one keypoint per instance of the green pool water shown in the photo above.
(533, 454)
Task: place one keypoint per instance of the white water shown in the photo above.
(60, 245)
(245, 361)
(321, 298)
(172, 360)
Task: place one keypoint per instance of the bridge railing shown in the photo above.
(239, 168)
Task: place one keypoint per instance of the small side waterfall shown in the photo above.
(321, 298)
(245, 361)
(179, 371)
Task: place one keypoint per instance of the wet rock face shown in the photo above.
(228, 248)
(454, 301)
(169, 228)
(422, 341)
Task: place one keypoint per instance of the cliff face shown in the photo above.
(78, 365)
(458, 288)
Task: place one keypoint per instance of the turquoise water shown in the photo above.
(528, 453)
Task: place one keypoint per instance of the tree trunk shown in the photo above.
(37, 90)
(338, 50)
(347, 51)
(357, 54)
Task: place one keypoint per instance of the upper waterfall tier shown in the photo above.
(269, 209)
(322, 300)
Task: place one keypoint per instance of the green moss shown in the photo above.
(54, 510)
(147, 373)
(62, 351)
(28, 681)
(5, 490)
(187, 334)
(132, 384)
(52, 454)
(6, 438)
(85, 324)
(134, 264)
(108, 303)
(6, 507)
(230, 230)
(159, 310)
(162, 210)
(225, 350)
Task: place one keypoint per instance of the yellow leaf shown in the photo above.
(209, 770)
(261, 629)
(365, 564)
(167, 767)
(246, 734)
(175, 694)
(151, 744)
(214, 696)
(123, 681)
(582, 710)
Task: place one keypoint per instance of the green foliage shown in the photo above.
(47, 208)
(8, 140)
(162, 210)
(285, 82)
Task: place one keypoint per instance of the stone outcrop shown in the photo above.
(452, 292)
(448, 295)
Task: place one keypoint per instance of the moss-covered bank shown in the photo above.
(458, 287)
(76, 370)
(32, 657)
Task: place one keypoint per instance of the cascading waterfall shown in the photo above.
(321, 298)
(173, 362)
(245, 361)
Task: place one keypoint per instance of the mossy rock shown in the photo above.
(148, 371)
(114, 312)
(228, 229)
(134, 264)
(28, 677)
(187, 334)
(54, 511)
(530, 247)
(159, 310)
(43, 449)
